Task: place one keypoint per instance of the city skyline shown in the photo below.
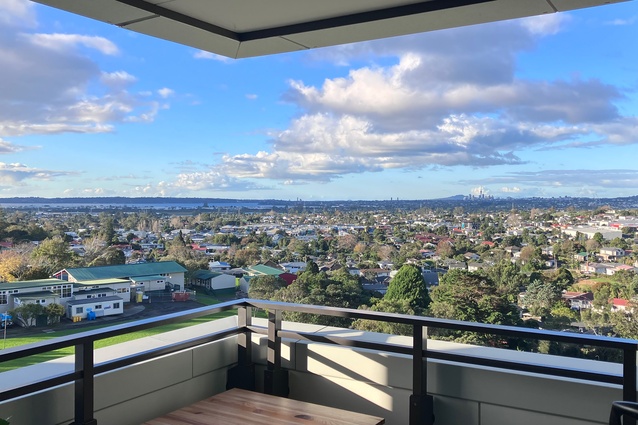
(542, 106)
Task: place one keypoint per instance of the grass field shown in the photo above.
(14, 342)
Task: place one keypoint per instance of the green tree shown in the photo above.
(27, 313)
(471, 297)
(507, 278)
(54, 255)
(110, 256)
(387, 306)
(265, 287)
(54, 312)
(339, 290)
(409, 285)
(540, 297)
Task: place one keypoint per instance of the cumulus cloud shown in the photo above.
(446, 98)
(50, 83)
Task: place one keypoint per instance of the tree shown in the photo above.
(54, 254)
(507, 278)
(540, 297)
(444, 249)
(470, 297)
(592, 245)
(54, 312)
(111, 256)
(562, 278)
(27, 313)
(387, 306)
(409, 285)
(10, 262)
(311, 267)
(339, 290)
(265, 287)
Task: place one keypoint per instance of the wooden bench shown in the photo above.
(241, 407)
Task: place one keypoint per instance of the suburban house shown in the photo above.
(618, 304)
(294, 267)
(611, 253)
(578, 300)
(622, 267)
(218, 266)
(597, 268)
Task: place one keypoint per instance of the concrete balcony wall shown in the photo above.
(131, 395)
(355, 379)
(380, 383)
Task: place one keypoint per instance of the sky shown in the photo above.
(544, 106)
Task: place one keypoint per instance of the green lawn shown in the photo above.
(14, 342)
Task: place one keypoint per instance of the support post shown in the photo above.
(275, 378)
(629, 381)
(84, 385)
(243, 375)
(421, 404)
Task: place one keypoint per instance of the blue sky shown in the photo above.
(544, 106)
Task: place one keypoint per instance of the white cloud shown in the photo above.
(68, 41)
(7, 147)
(427, 110)
(51, 85)
(514, 189)
(17, 13)
(545, 24)
(251, 96)
(165, 92)
(17, 173)
(622, 22)
(480, 190)
(118, 78)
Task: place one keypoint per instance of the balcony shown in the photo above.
(391, 376)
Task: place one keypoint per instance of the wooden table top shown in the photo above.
(241, 407)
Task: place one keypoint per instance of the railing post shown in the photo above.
(84, 385)
(629, 380)
(421, 404)
(243, 375)
(275, 378)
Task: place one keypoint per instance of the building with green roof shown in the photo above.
(262, 270)
(170, 271)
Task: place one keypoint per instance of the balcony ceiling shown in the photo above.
(246, 28)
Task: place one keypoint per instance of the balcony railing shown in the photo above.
(276, 377)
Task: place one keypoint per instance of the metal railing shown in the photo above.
(276, 378)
